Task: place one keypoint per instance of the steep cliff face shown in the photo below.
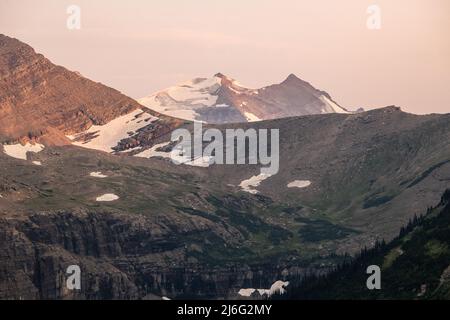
(39, 98)
(120, 256)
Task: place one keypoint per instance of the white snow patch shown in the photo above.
(19, 151)
(37, 163)
(198, 90)
(249, 184)
(262, 291)
(107, 197)
(203, 162)
(246, 292)
(109, 135)
(278, 287)
(150, 153)
(251, 117)
(98, 174)
(331, 106)
(166, 299)
(299, 184)
(133, 149)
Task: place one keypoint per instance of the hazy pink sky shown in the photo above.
(142, 46)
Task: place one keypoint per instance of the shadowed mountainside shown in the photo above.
(415, 265)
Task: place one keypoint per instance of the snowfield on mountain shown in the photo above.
(106, 137)
(20, 151)
(221, 99)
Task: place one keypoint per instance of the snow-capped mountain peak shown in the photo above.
(221, 99)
